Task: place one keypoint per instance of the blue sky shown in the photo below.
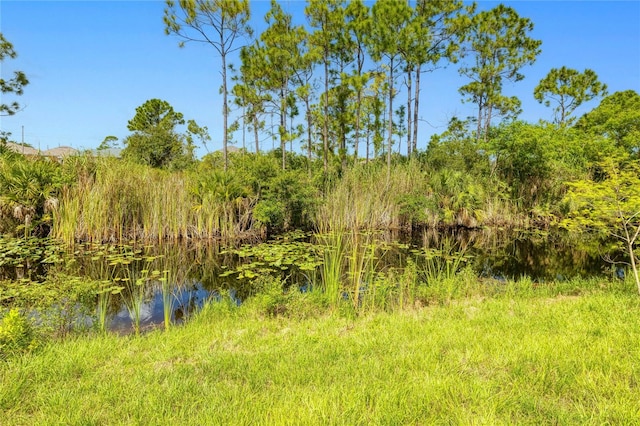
(91, 63)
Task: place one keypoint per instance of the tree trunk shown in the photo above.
(390, 124)
(255, 132)
(409, 117)
(634, 267)
(225, 109)
(283, 127)
(325, 127)
(368, 143)
(357, 135)
(244, 128)
(479, 129)
(630, 240)
(416, 102)
(309, 141)
(487, 122)
(291, 133)
(563, 115)
(309, 119)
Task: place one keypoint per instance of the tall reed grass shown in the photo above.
(364, 199)
(351, 272)
(125, 201)
(332, 266)
(116, 200)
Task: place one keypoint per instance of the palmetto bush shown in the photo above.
(29, 191)
(220, 203)
(458, 196)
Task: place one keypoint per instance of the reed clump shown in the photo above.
(124, 201)
(366, 198)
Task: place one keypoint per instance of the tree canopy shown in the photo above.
(153, 115)
(499, 45)
(617, 118)
(14, 85)
(568, 88)
(155, 141)
(216, 22)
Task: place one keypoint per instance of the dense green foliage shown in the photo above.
(616, 119)
(29, 191)
(155, 141)
(17, 335)
(518, 176)
(609, 207)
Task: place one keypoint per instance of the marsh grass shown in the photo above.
(508, 359)
(123, 201)
(444, 273)
(356, 271)
(129, 273)
(168, 296)
(366, 199)
(104, 297)
(408, 285)
(332, 266)
(137, 288)
(349, 267)
(360, 266)
(172, 285)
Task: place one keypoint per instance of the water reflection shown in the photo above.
(541, 256)
(185, 301)
(186, 275)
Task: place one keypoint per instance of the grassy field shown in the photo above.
(530, 359)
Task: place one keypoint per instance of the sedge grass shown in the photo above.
(365, 198)
(332, 266)
(501, 360)
(104, 294)
(348, 268)
(166, 286)
(132, 202)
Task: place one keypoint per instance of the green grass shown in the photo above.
(507, 359)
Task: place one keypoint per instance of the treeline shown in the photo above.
(519, 176)
(347, 81)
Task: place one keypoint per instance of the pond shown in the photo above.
(143, 286)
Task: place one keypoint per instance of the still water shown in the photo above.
(187, 275)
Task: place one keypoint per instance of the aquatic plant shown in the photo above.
(332, 265)
(440, 267)
(28, 257)
(279, 257)
(105, 292)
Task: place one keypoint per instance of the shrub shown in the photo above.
(29, 191)
(17, 335)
